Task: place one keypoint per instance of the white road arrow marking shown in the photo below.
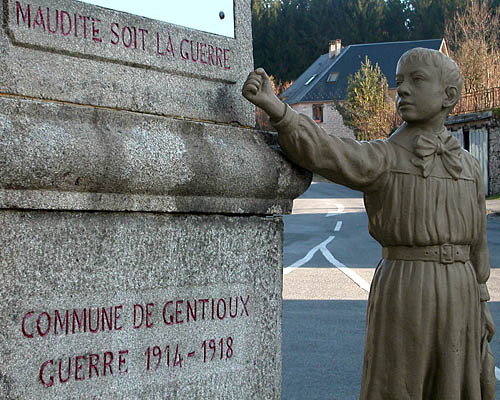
(332, 260)
(308, 256)
(348, 272)
(497, 373)
(340, 210)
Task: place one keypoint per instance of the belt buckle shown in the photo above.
(446, 253)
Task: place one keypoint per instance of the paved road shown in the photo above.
(329, 260)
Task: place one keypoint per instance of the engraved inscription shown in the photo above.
(105, 35)
(163, 350)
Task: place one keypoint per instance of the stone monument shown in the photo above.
(141, 249)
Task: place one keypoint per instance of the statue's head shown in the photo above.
(427, 82)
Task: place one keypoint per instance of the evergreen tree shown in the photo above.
(427, 18)
(396, 21)
(367, 108)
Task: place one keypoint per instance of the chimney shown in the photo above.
(331, 49)
(334, 48)
(338, 47)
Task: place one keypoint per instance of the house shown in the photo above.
(326, 79)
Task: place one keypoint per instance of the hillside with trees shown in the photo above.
(290, 34)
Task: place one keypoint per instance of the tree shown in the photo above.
(427, 18)
(367, 107)
(473, 39)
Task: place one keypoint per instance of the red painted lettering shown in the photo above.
(202, 52)
(60, 371)
(56, 20)
(211, 55)
(138, 308)
(39, 325)
(93, 360)
(116, 37)
(109, 319)
(39, 20)
(108, 359)
(78, 367)
(170, 320)
(231, 314)
(69, 26)
(95, 30)
(218, 56)
(184, 54)
(118, 310)
(24, 15)
(192, 51)
(96, 328)
(122, 361)
(85, 19)
(169, 49)
(127, 43)
(76, 24)
(64, 325)
(221, 311)
(50, 382)
(145, 315)
(23, 326)
(178, 311)
(149, 313)
(191, 313)
(142, 32)
(203, 302)
(82, 323)
(244, 310)
(226, 59)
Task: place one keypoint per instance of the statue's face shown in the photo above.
(420, 92)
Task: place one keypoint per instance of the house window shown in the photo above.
(333, 77)
(318, 112)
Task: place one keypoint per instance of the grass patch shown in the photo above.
(494, 197)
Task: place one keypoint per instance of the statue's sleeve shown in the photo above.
(358, 165)
(479, 251)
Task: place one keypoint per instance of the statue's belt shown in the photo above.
(445, 253)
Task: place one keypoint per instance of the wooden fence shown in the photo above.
(478, 101)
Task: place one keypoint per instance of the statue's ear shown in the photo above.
(451, 96)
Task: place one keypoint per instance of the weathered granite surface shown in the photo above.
(123, 262)
(126, 62)
(61, 156)
(140, 245)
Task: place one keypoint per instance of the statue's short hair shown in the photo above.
(449, 73)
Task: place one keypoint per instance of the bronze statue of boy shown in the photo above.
(428, 321)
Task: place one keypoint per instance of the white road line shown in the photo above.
(348, 272)
(340, 210)
(497, 373)
(332, 260)
(308, 256)
(329, 256)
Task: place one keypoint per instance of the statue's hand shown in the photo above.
(258, 88)
(487, 320)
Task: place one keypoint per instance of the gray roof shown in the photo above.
(386, 55)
